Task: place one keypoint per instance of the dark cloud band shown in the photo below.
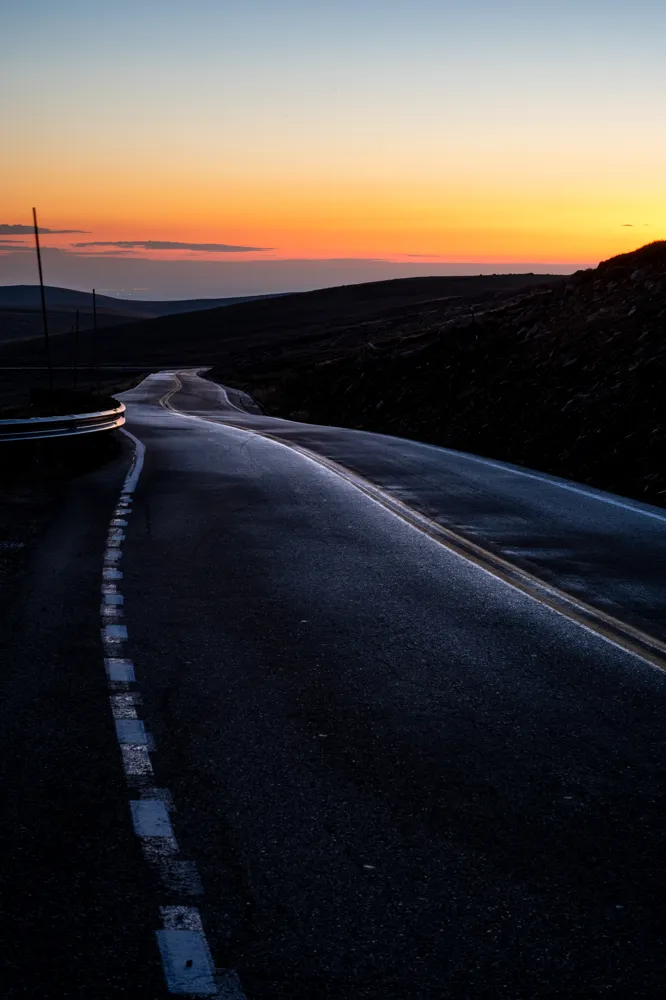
(169, 245)
(8, 229)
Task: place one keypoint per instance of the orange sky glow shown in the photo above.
(434, 131)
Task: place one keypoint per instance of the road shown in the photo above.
(368, 746)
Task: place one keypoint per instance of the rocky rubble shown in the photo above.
(569, 379)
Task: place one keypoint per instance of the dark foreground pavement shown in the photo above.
(76, 913)
(398, 776)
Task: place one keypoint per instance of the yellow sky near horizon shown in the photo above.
(455, 132)
(343, 220)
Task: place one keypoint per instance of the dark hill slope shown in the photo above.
(21, 316)
(281, 330)
(571, 380)
(304, 324)
(28, 297)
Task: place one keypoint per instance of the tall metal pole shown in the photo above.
(47, 345)
(76, 350)
(95, 340)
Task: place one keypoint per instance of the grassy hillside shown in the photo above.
(284, 331)
(560, 374)
(350, 315)
(569, 380)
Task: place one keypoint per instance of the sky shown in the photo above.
(212, 147)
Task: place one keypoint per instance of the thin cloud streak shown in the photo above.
(170, 245)
(18, 229)
(100, 253)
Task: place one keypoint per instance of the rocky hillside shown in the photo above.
(569, 379)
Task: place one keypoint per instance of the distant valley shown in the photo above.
(21, 310)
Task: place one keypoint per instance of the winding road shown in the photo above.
(386, 721)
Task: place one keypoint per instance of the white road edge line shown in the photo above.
(187, 962)
(132, 477)
(555, 482)
(394, 504)
(479, 460)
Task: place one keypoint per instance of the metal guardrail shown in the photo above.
(38, 428)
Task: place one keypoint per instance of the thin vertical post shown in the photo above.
(95, 340)
(47, 346)
(76, 350)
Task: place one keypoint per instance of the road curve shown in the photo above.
(603, 549)
(361, 760)
(399, 776)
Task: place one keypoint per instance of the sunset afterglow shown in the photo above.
(421, 131)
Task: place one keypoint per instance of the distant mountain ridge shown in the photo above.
(28, 297)
(313, 322)
(20, 309)
(280, 331)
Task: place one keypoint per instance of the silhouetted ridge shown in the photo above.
(568, 379)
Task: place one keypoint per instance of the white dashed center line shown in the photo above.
(151, 818)
(114, 633)
(113, 598)
(186, 958)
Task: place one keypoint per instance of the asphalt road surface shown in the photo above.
(357, 758)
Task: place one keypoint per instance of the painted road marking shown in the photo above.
(131, 731)
(119, 669)
(187, 961)
(151, 818)
(115, 633)
(553, 481)
(114, 599)
(163, 794)
(137, 465)
(591, 618)
(186, 958)
(510, 470)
